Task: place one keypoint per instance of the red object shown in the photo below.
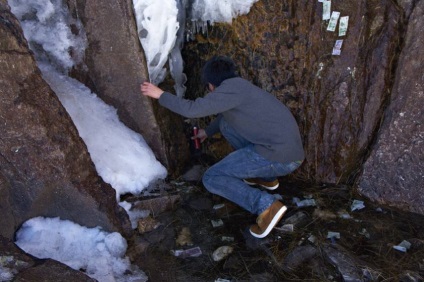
(196, 140)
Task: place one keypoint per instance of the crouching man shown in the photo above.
(261, 129)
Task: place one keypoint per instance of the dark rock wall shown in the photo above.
(117, 66)
(339, 101)
(394, 172)
(283, 46)
(45, 169)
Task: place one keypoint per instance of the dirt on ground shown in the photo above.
(327, 234)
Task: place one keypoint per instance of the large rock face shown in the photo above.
(394, 172)
(284, 47)
(339, 101)
(117, 67)
(45, 169)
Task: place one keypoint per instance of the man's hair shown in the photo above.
(217, 69)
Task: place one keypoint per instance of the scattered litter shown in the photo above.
(326, 10)
(304, 203)
(227, 239)
(217, 223)
(365, 233)
(403, 246)
(379, 210)
(337, 49)
(343, 25)
(222, 280)
(333, 21)
(331, 234)
(218, 206)
(312, 239)
(184, 238)
(344, 215)
(286, 228)
(193, 252)
(357, 205)
(222, 252)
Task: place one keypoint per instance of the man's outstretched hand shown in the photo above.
(151, 90)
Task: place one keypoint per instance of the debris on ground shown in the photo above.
(203, 237)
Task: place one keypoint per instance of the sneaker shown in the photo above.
(267, 220)
(270, 185)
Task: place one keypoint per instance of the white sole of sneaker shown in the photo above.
(266, 187)
(274, 222)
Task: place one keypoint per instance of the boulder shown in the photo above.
(117, 66)
(394, 172)
(45, 168)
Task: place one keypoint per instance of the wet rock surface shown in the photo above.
(333, 244)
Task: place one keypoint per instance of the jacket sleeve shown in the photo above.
(214, 103)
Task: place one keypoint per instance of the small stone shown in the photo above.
(184, 238)
(222, 252)
(147, 224)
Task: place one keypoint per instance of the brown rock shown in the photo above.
(283, 47)
(52, 271)
(394, 172)
(45, 169)
(117, 67)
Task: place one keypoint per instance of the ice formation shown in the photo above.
(220, 10)
(121, 156)
(161, 29)
(99, 253)
(46, 26)
(157, 26)
(176, 63)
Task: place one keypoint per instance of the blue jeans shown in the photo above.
(225, 178)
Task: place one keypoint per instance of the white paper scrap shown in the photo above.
(218, 206)
(357, 205)
(344, 21)
(326, 10)
(403, 246)
(217, 223)
(333, 21)
(337, 49)
(332, 234)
